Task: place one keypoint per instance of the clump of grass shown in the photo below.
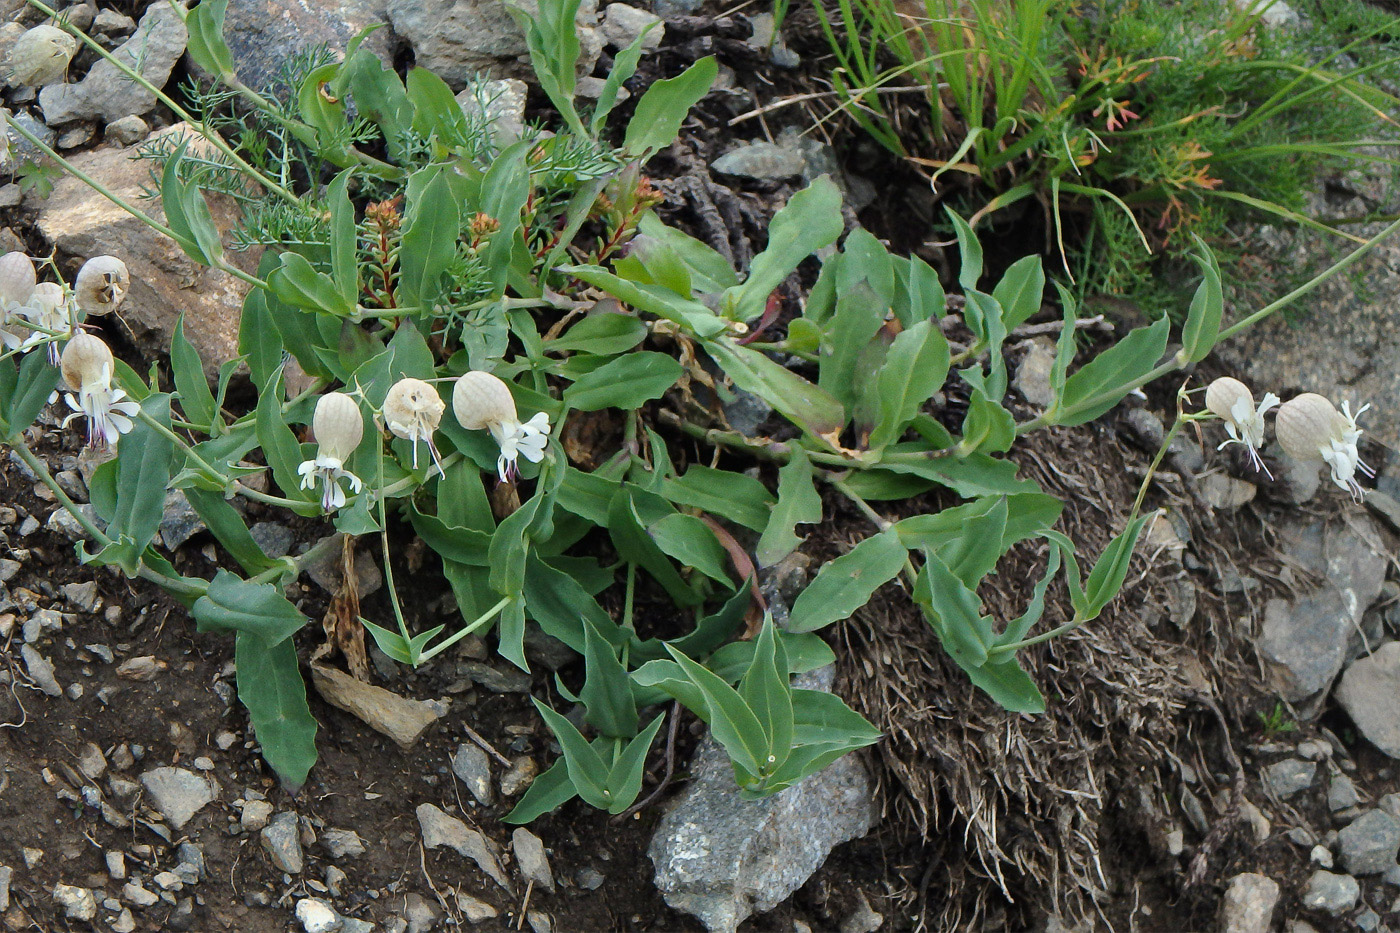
(1135, 125)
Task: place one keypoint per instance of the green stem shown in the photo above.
(389, 564)
(179, 587)
(227, 482)
(219, 262)
(466, 630)
(878, 520)
(170, 102)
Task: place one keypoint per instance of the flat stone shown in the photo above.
(1341, 793)
(622, 24)
(1370, 693)
(721, 857)
(530, 858)
(342, 843)
(520, 775)
(474, 909)
(496, 679)
(1369, 843)
(179, 521)
(1033, 373)
(77, 903)
(399, 718)
(92, 764)
(256, 814)
(760, 160)
(316, 916)
(501, 103)
(1226, 492)
(273, 537)
(441, 829)
(1329, 893)
(1290, 777)
(82, 596)
(281, 840)
(40, 670)
(177, 794)
(473, 768)
(459, 39)
(1248, 905)
(135, 894)
(106, 93)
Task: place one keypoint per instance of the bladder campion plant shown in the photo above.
(458, 303)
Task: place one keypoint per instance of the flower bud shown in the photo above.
(1224, 393)
(41, 57)
(83, 360)
(101, 285)
(1304, 426)
(338, 425)
(480, 399)
(17, 278)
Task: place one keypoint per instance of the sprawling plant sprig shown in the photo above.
(450, 296)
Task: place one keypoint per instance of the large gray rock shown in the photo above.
(1304, 643)
(722, 858)
(1369, 843)
(106, 93)
(263, 34)
(1370, 693)
(1248, 906)
(164, 282)
(458, 39)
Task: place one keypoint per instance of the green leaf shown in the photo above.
(587, 772)
(739, 498)
(379, 96)
(865, 259)
(279, 444)
(653, 299)
(145, 460)
(229, 528)
(504, 192)
(565, 609)
(733, 724)
(467, 546)
(1202, 327)
(606, 694)
(345, 270)
(430, 238)
(1018, 629)
(1005, 681)
(551, 36)
(435, 111)
(624, 66)
(1020, 291)
(858, 316)
(927, 300)
(987, 427)
(804, 404)
(258, 609)
(205, 43)
(547, 792)
(1106, 579)
(798, 503)
(188, 370)
(24, 391)
(845, 584)
(969, 249)
(1103, 381)
(625, 778)
(809, 221)
(1064, 346)
(954, 612)
(663, 108)
(325, 112)
(766, 691)
(913, 371)
(187, 214)
(690, 541)
(270, 686)
(634, 545)
(627, 382)
(711, 273)
(297, 283)
(603, 334)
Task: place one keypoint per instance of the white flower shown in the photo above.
(481, 400)
(1231, 401)
(1311, 430)
(338, 428)
(87, 368)
(49, 309)
(516, 439)
(17, 283)
(41, 56)
(413, 410)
